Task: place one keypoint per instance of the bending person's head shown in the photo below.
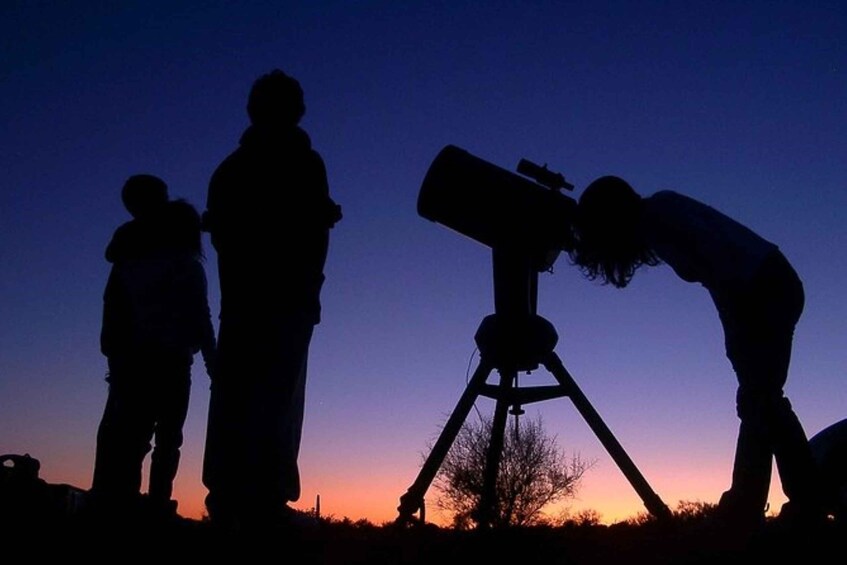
(609, 242)
(276, 100)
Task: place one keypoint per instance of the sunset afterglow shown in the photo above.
(740, 105)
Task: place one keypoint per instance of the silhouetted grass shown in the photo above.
(687, 539)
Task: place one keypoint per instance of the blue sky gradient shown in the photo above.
(740, 105)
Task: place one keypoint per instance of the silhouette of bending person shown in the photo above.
(155, 319)
(759, 299)
(269, 213)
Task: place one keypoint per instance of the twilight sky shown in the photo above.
(740, 105)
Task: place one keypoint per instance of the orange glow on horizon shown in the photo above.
(608, 494)
(361, 491)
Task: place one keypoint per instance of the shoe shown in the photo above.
(738, 512)
(285, 517)
(298, 518)
(160, 510)
(732, 524)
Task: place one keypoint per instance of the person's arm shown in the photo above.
(214, 218)
(208, 342)
(119, 244)
(330, 210)
(114, 330)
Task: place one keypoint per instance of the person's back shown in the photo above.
(164, 290)
(701, 244)
(269, 214)
(155, 318)
(269, 211)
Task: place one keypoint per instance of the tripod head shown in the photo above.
(526, 224)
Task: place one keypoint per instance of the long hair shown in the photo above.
(609, 244)
(183, 225)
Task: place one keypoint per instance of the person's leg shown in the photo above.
(277, 420)
(759, 328)
(793, 456)
(223, 456)
(218, 454)
(123, 440)
(171, 410)
(747, 496)
(291, 427)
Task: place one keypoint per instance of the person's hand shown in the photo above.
(334, 214)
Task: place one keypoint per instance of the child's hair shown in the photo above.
(183, 227)
(609, 244)
(143, 194)
(276, 99)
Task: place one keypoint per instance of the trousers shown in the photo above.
(759, 322)
(145, 409)
(255, 420)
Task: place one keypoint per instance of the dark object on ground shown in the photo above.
(829, 448)
(25, 498)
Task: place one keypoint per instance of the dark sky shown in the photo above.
(741, 105)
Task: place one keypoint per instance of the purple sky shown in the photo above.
(741, 105)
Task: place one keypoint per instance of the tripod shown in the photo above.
(512, 340)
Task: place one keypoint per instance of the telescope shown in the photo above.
(499, 208)
(527, 222)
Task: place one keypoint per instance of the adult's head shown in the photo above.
(610, 245)
(144, 194)
(276, 99)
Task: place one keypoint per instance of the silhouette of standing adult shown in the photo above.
(155, 319)
(759, 299)
(269, 213)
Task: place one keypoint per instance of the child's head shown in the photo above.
(276, 99)
(609, 243)
(144, 194)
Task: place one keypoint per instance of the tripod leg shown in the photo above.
(651, 500)
(488, 499)
(412, 500)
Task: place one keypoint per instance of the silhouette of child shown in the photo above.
(156, 317)
(759, 299)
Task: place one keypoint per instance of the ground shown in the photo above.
(343, 542)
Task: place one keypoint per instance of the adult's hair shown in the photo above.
(276, 99)
(143, 194)
(609, 244)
